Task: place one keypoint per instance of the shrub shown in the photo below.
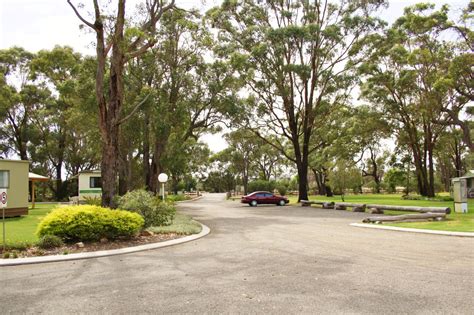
(49, 241)
(175, 198)
(89, 223)
(261, 185)
(282, 190)
(153, 211)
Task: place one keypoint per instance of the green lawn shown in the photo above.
(20, 231)
(457, 222)
(182, 224)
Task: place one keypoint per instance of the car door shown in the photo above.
(269, 198)
(260, 198)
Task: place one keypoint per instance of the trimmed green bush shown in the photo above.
(261, 185)
(49, 241)
(153, 211)
(282, 190)
(89, 223)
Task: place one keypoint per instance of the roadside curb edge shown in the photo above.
(104, 253)
(400, 229)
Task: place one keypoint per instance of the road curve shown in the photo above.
(264, 259)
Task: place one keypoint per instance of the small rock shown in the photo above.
(146, 233)
(80, 245)
(104, 240)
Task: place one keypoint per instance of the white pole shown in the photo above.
(163, 190)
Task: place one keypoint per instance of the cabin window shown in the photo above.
(4, 179)
(95, 182)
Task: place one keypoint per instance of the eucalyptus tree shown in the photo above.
(58, 69)
(403, 77)
(242, 153)
(19, 98)
(188, 95)
(460, 78)
(450, 156)
(122, 40)
(296, 58)
(368, 130)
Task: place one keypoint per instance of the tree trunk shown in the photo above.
(431, 179)
(320, 182)
(156, 166)
(124, 173)
(146, 152)
(59, 193)
(108, 172)
(245, 183)
(302, 181)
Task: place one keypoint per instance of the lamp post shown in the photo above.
(163, 178)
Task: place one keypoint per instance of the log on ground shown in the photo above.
(425, 216)
(446, 210)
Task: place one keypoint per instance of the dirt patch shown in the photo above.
(72, 248)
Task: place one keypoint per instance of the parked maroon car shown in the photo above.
(264, 197)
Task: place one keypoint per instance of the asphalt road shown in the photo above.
(266, 259)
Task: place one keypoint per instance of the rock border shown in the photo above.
(401, 229)
(104, 253)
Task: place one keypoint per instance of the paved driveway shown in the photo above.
(266, 259)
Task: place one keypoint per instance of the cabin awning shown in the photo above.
(37, 178)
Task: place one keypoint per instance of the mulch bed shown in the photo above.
(73, 248)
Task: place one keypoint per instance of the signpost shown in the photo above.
(3, 205)
(163, 178)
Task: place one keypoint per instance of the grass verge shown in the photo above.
(20, 231)
(455, 222)
(182, 224)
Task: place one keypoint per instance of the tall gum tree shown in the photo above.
(296, 58)
(403, 77)
(112, 40)
(188, 95)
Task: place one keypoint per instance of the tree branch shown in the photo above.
(80, 17)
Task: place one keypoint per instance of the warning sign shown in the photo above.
(3, 198)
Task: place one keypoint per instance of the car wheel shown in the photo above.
(282, 202)
(253, 203)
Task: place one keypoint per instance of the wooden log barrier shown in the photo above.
(446, 210)
(356, 207)
(406, 217)
(328, 205)
(375, 211)
(323, 204)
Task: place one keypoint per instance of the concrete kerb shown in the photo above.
(400, 229)
(103, 253)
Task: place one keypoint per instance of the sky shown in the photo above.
(42, 24)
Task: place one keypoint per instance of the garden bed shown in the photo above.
(66, 249)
